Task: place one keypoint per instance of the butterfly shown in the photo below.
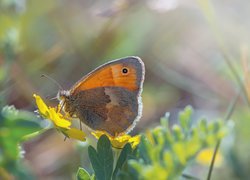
(109, 97)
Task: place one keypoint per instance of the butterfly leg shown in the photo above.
(80, 125)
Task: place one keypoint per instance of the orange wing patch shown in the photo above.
(112, 75)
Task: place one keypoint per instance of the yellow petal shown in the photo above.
(123, 138)
(205, 157)
(58, 119)
(97, 134)
(75, 134)
(51, 113)
(42, 107)
(134, 141)
(118, 144)
(119, 141)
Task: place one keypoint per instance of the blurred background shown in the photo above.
(195, 52)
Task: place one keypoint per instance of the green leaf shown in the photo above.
(96, 164)
(127, 149)
(105, 155)
(185, 117)
(102, 159)
(164, 120)
(177, 133)
(144, 148)
(92, 177)
(165, 153)
(14, 125)
(82, 174)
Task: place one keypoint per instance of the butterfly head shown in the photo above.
(62, 95)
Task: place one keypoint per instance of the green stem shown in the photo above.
(187, 176)
(116, 156)
(209, 13)
(237, 77)
(228, 115)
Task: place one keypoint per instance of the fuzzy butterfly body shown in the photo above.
(108, 98)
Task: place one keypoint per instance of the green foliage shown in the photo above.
(164, 153)
(102, 159)
(184, 118)
(126, 151)
(14, 126)
(82, 174)
(54, 37)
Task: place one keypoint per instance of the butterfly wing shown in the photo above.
(110, 109)
(109, 98)
(126, 72)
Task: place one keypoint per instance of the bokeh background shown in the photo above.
(196, 52)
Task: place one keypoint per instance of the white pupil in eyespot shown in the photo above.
(124, 70)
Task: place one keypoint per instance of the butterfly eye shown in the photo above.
(124, 70)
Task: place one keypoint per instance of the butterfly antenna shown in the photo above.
(50, 98)
(53, 80)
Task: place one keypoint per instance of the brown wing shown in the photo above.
(126, 72)
(110, 109)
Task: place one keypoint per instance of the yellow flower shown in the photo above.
(60, 123)
(75, 134)
(205, 157)
(119, 141)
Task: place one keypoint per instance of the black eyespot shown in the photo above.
(124, 70)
